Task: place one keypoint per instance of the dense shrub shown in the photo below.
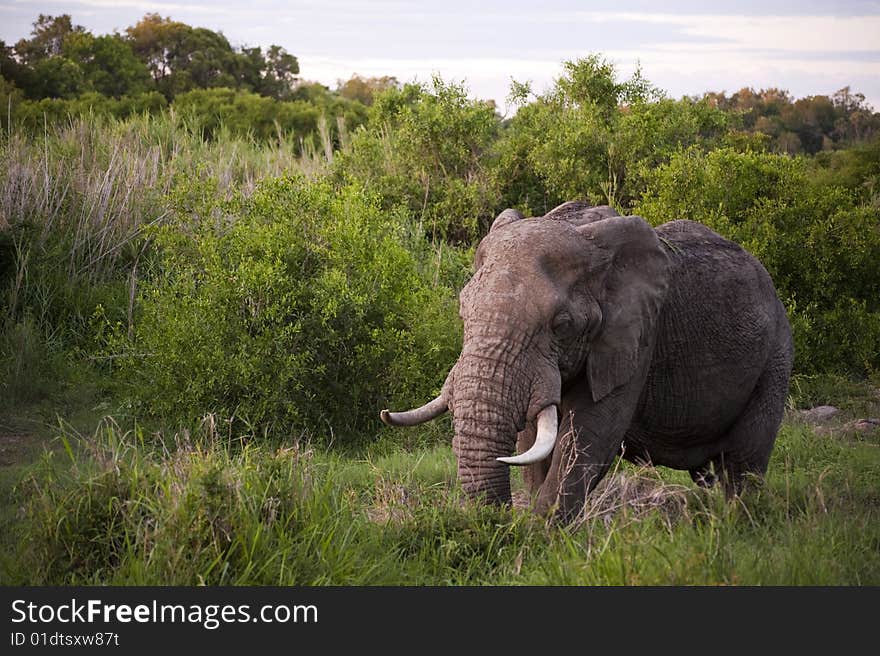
(74, 204)
(35, 115)
(856, 168)
(71, 209)
(820, 245)
(427, 149)
(594, 137)
(299, 306)
(243, 113)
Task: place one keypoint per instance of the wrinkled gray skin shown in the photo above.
(667, 346)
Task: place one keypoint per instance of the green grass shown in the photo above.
(855, 397)
(114, 501)
(123, 506)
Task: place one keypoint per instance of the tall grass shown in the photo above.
(75, 203)
(204, 506)
(97, 180)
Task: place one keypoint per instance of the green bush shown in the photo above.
(299, 306)
(74, 207)
(856, 168)
(95, 517)
(242, 113)
(35, 115)
(818, 243)
(594, 137)
(245, 113)
(427, 150)
(28, 364)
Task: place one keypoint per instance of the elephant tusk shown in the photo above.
(544, 442)
(430, 410)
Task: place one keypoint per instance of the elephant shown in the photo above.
(589, 335)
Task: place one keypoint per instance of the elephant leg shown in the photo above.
(590, 435)
(578, 466)
(703, 476)
(748, 444)
(533, 475)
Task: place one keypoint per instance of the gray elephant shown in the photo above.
(589, 335)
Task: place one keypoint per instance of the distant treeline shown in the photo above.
(64, 70)
(806, 125)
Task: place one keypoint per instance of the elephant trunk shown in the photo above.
(498, 384)
(490, 403)
(482, 435)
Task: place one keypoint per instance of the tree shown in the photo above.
(47, 38)
(56, 77)
(365, 89)
(108, 63)
(426, 148)
(279, 73)
(151, 40)
(592, 82)
(806, 125)
(590, 136)
(250, 68)
(272, 75)
(42, 68)
(848, 101)
(856, 120)
(12, 70)
(180, 57)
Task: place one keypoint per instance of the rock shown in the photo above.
(864, 425)
(820, 414)
(858, 426)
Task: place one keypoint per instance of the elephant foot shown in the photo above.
(703, 476)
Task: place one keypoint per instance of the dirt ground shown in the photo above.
(16, 448)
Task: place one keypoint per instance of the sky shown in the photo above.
(683, 47)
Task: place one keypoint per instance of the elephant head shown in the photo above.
(571, 296)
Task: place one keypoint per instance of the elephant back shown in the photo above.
(685, 237)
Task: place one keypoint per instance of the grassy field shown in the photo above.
(105, 478)
(119, 504)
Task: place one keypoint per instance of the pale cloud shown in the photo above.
(689, 71)
(808, 54)
(689, 59)
(789, 33)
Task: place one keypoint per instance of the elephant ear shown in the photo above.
(630, 272)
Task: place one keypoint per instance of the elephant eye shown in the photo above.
(561, 321)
